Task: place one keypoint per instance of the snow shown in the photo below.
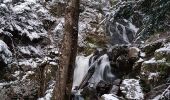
(132, 89)
(21, 8)
(60, 25)
(164, 49)
(27, 74)
(133, 27)
(53, 63)
(6, 1)
(140, 60)
(49, 92)
(5, 53)
(29, 62)
(30, 50)
(152, 60)
(109, 97)
(153, 75)
(157, 97)
(142, 54)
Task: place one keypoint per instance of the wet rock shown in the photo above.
(132, 89)
(114, 90)
(89, 93)
(123, 65)
(103, 87)
(118, 51)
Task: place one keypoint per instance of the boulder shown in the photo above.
(103, 87)
(150, 48)
(133, 52)
(163, 53)
(132, 89)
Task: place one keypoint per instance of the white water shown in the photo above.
(81, 68)
(102, 70)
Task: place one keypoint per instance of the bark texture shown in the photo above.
(64, 74)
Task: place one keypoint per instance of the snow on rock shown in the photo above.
(5, 53)
(49, 92)
(29, 62)
(166, 48)
(132, 89)
(25, 18)
(109, 97)
(153, 75)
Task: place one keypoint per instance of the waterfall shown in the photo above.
(102, 70)
(81, 69)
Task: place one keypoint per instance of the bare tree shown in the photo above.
(64, 74)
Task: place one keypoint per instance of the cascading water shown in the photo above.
(91, 69)
(81, 69)
(102, 71)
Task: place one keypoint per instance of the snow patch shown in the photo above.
(5, 53)
(109, 97)
(132, 89)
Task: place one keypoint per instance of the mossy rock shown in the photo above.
(97, 40)
(149, 49)
(155, 66)
(161, 70)
(162, 54)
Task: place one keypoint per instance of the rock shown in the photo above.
(149, 49)
(103, 87)
(114, 90)
(163, 53)
(117, 51)
(117, 82)
(154, 72)
(166, 94)
(133, 52)
(157, 92)
(123, 65)
(132, 89)
(136, 68)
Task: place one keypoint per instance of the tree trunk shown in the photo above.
(64, 74)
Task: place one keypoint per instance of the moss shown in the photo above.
(162, 54)
(97, 40)
(93, 41)
(145, 87)
(150, 48)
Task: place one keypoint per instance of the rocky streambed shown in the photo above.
(124, 72)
